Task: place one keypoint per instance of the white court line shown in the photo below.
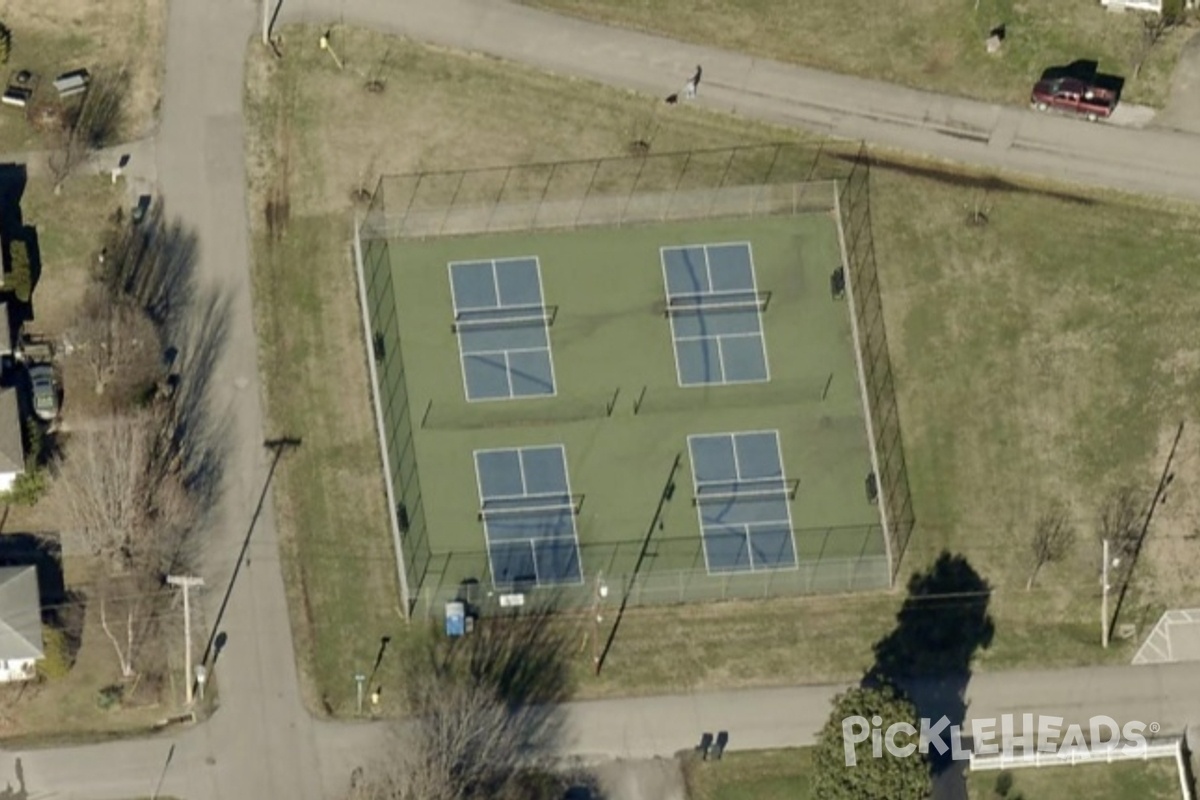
(762, 330)
(537, 264)
(707, 336)
(671, 319)
(696, 484)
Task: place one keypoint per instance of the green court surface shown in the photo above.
(624, 420)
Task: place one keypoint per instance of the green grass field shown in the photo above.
(1127, 780)
(785, 775)
(612, 349)
(764, 775)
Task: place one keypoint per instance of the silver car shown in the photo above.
(45, 392)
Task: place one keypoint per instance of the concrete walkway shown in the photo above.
(261, 744)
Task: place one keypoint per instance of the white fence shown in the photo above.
(1164, 747)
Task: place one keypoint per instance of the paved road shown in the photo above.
(261, 744)
(1150, 161)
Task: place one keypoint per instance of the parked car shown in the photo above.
(45, 391)
(140, 209)
(1073, 96)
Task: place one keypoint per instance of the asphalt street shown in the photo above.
(262, 743)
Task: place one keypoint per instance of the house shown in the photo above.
(1155, 6)
(12, 449)
(20, 623)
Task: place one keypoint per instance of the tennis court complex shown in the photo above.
(673, 405)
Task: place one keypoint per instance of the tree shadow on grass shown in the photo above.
(942, 624)
(485, 713)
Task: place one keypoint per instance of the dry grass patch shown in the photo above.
(50, 37)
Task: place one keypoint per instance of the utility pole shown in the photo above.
(600, 591)
(186, 583)
(1104, 621)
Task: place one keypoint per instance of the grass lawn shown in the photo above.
(1127, 780)
(1043, 355)
(763, 775)
(67, 709)
(928, 44)
(51, 37)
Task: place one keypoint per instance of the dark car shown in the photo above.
(141, 209)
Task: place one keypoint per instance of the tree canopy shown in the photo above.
(870, 778)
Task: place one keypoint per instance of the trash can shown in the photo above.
(456, 619)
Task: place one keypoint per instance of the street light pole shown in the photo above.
(266, 26)
(359, 678)
(1104, 620)
(599, 592)
(186, 583)
(1104, 598)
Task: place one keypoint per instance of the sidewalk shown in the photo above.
(757, 719)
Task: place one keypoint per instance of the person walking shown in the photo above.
(689, 90)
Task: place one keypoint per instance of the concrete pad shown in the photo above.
(655, 779)
(1183, 106)
(1175, 638)
(1131, 115)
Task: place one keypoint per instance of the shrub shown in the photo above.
(22, 272)
(56, 662)
(110, 696)
(28, 487)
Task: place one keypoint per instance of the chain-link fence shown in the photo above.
(777, 179)
(854, 205)
(663, 571)
(738, 182)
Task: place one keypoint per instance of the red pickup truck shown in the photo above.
(1073, 96)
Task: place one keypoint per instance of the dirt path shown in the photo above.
(1183, 106)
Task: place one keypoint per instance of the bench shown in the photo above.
(72, 83)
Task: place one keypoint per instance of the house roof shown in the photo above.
(12, 450)
(20, 614)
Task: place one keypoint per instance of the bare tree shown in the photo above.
(1121, 520)
(1155, 26)
(125, 505)
(1053, 537)
(95, 123)
(118, 340)
(484, 717)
